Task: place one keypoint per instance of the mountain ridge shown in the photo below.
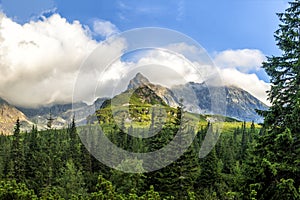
(241, 105)
(8, 117)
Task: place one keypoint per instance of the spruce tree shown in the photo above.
(244, 142)
(275, 162)
(284, 71)
(17, 155)
(75, 143)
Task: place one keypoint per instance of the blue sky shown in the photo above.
(216, 25)
(237, 34)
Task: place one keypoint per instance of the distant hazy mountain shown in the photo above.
(62, 113)
(8, 117)
(239, 103)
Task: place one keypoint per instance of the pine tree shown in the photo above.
(125, 182)
(17, 155)
(71, 183)
(32, 164)
(209, 170)
(275, 162)
(244, 143)
(252, 132)
(74, 143)
(284, 71)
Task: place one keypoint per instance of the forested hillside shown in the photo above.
(54, 164)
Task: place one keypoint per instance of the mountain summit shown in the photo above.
(163, 92)
(240, 104)
(138, 81)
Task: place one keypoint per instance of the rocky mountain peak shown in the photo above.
(138, 81)
(8, 117)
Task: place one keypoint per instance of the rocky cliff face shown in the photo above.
(165, 93)
(239, 103)
(8, 117)
(197, 99)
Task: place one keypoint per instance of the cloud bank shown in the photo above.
(40, 61)
(243, 59)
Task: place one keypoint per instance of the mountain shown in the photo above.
(137, 81)
(8, 117)
(240, 104)
(133, 105)
(165, 93)
(140, 106)
(61, 113)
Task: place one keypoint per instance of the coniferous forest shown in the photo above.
(250, 161)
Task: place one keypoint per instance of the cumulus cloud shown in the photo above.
(104, 28)
(168, 69)
(159, 66)
(236, 66)
(244, 60)
(248, 82)
(39, 60)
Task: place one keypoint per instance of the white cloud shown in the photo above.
(174, 62)
(104, 28)
(39, 60)
(244, 60)
(186, 49)
(248, 82)
(235, 66)
(160, 67)
(166, 68)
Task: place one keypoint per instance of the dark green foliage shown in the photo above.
(284, 72)
(17, 162)
(210, 171)
(244, 142)
(273, 169)
(71, 182)
(10, 189)
(127, 182)
(58, 165)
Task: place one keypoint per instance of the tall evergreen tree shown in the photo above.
(276, 158)
(74, 143)
(17, 155)
(284, 71)
(244, 142)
